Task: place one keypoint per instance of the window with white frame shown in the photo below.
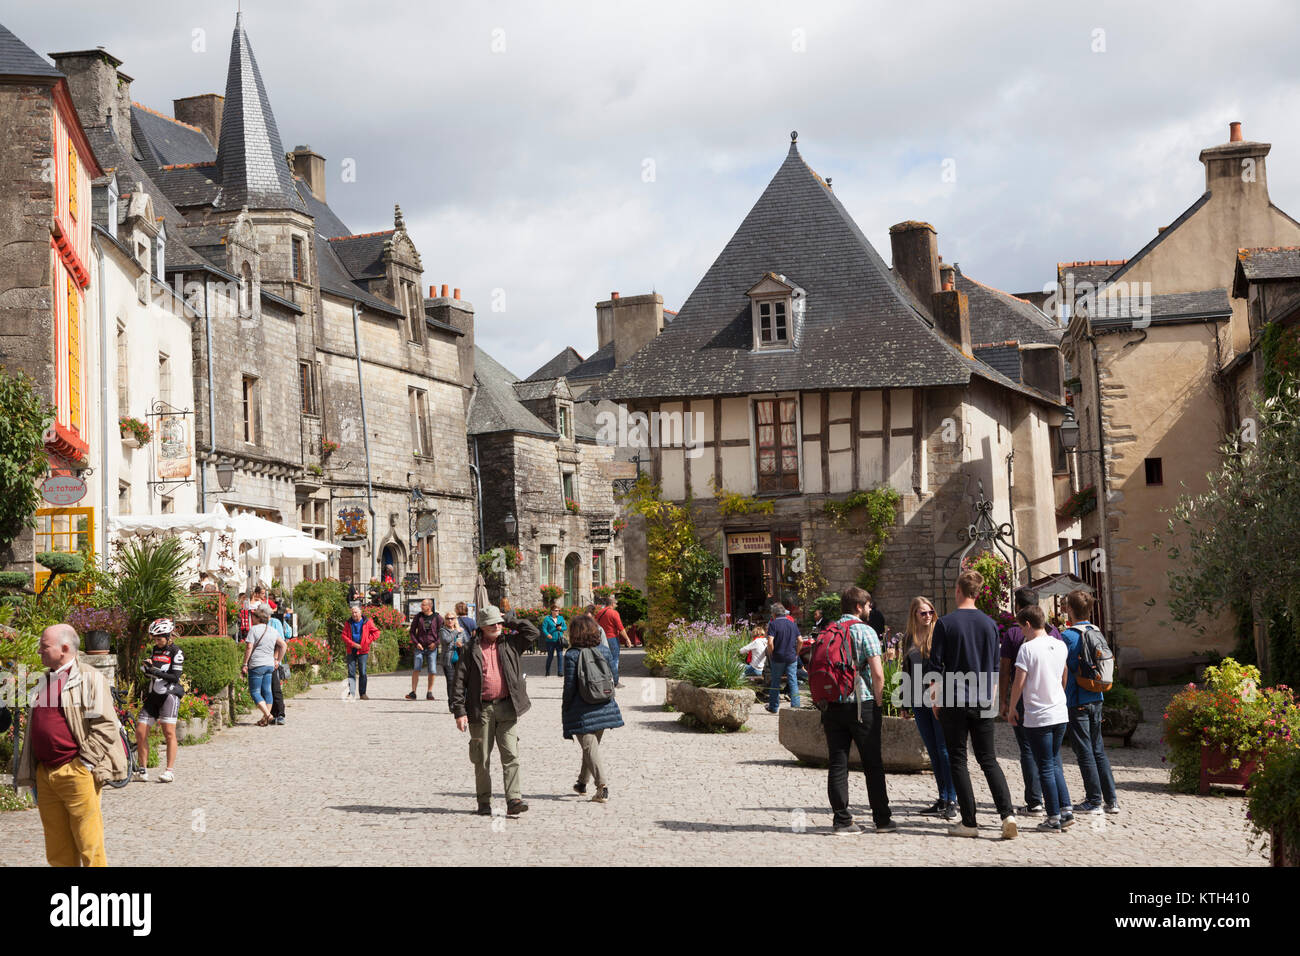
(776, 433)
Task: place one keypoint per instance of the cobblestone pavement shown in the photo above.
(388, 782)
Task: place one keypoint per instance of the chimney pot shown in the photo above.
(455, 293)
(444, 290)
(613, 296)
(915, 249)
(433, 292)
(1234, 132)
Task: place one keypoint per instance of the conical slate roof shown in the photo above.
(18, 59)
(861, 328)
(251, 166)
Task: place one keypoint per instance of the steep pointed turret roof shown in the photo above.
(861, 328)
(251, 167)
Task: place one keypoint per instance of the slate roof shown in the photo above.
(497, 407)
(996, 316)
(597, 365)
(334, 277)
(188, 186)
(562, 364)
(327, 223)
(250, 156)
(532, 391)
(362, 255)
(111, 155)
(1269, 262)
(18, 59)
(170, 141)
(861, 329)
(1170, 308)
(1005, 358)
(1094, 271)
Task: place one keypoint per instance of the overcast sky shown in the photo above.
(561, 151)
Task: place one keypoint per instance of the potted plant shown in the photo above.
(192, 716)
(135, 433)
(1121, 713)
(328, 447)
(1273, 804)
(551, 593)
(1218, 734)
(101, 627)
(707, 676)
(571, 505)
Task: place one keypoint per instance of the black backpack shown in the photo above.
(595, 677)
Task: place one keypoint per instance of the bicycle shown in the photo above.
(127, 731)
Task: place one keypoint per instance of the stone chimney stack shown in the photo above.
(951, 310)
(459, 314)
(203, 111)
(100, 92)
(310, 167)
(915, 248)
(1236, 166)
(629, 323)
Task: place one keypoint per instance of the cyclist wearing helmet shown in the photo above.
(162, 702)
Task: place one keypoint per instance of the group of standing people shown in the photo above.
(958, 676)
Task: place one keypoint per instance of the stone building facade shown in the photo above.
(334, 388)
(545, 488)
(1154, 342)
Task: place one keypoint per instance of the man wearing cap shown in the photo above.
(72, 748)
(488, 696)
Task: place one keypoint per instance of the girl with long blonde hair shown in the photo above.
(921, 618)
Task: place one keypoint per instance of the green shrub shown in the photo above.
(326, 602)
(211, 663)
(1273, 798)
(1120, 695)
(708, 663)
(384, 655)
(299, 682)
(829, 605)
(631, 603)
(334, 670)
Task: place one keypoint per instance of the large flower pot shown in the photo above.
(901, 749)
(1216, 768)
(192, 727)
(97, 642)
(1120, 722)
(709, 705)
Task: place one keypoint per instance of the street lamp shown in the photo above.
(1070, 439)
(225, 474)
(511, 525)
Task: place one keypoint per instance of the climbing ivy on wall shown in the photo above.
(879, 507)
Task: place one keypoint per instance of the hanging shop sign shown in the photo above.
(749, 542)
(350, 524)
(63, 489)
(174, 460)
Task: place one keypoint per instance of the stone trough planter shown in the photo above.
(708, 705)
(901, 748)
(193, 727)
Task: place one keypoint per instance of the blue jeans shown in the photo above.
(613, 654)
(932, 734)
(1045, 742)
(1028, 766)
(790, 670)
(1085, 738)
(356, 662)
(555, 650)
(752, 671)
(259, 684)
(426, 660)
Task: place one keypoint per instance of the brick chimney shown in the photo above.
(100, 91)
(1236, 166)
(629, 322)
(915, 248)
(203, 111)
(310, 166)
(951, 311)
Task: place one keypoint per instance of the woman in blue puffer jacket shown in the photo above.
(588, 722)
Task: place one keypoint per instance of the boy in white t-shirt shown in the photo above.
(1040, 679)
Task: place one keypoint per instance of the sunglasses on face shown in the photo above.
(925, 614)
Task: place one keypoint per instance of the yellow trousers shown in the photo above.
(68, 800)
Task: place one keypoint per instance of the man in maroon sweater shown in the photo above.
(72, 748)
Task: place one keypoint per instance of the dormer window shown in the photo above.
(772, 304)
(565, 419)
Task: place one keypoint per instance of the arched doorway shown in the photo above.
(571, 565)
(391, 554)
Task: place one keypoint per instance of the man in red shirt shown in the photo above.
(609, 621)
(72, 748)
(488, 696)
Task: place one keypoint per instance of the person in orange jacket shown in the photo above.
(358, 634)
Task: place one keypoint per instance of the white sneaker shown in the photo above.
(1009, 830)
(141, 774)
(166, 777)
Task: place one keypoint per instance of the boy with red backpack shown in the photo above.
(845, 654)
